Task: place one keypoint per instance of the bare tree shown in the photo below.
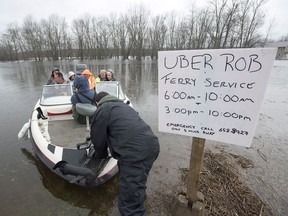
(268, 32)
(157, 34)
(120, 36)
(251, 19)
(101, 37)
(86, 23)
(33, 38)
(7, 47)
(17, 42)
(204, 22)
(69, 48)
(12, 44)
(192, 30)
(224, 23)
(224, 17)
(181, 35)
(78, 30)
(229, 25)
(114, 28)
(171, 30)
(55, 36)
(138, 17)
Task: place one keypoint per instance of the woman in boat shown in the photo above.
(51, 79)
(110, 75)
(71, 76)
(59, 78)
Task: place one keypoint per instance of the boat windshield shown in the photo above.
(57, 94)
(112, 87)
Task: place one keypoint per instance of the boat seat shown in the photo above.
(86, 110)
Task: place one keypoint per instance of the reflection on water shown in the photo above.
(98, 200)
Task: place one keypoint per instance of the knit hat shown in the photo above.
(100, 95)
(71, 73)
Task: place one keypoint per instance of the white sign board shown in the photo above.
(213, 94)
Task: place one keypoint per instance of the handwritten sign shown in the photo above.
(213, 94)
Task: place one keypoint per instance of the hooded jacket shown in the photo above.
(119, 127)
(90, 77)
(83, 94)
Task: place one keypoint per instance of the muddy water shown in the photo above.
(27, 187)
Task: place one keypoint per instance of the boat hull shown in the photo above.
(55, 137)
(55, 141)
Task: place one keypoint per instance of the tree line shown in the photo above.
(137, 33)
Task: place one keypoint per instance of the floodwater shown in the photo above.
(269, 176)
(27, 187)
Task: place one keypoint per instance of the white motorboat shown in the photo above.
(63, 144)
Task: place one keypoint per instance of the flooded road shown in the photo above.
(29, 188)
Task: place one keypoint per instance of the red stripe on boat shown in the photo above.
(64, 113)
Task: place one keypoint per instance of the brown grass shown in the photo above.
(224, 192)
(221, 183)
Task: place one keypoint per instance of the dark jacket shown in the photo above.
(120, 127)
(83, 94)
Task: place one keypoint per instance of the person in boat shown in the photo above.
(101, 76)
(59, 78)
(131, 141)
(90, 78)
(71, 76)
(110, 75)
(51, 79)
(83, 94)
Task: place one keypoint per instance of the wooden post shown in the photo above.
(197, 152)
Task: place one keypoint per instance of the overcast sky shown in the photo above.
(16, 10)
